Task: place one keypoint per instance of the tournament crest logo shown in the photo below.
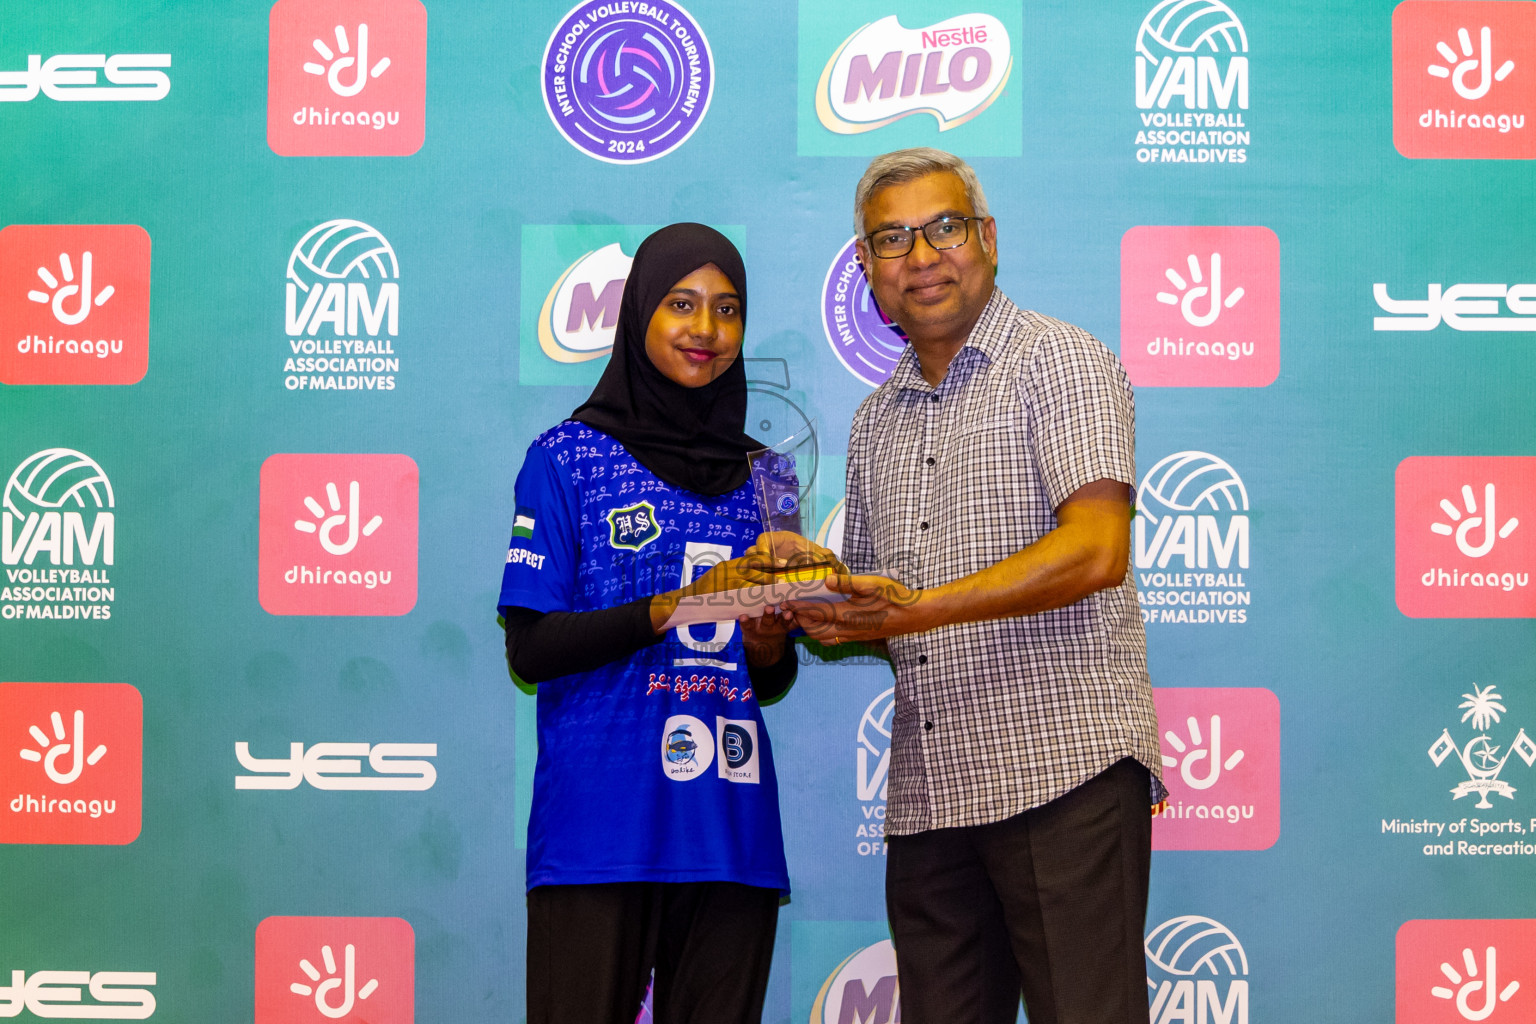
(1480, 757)
(626, 83)
(866, 341)
(632, 528)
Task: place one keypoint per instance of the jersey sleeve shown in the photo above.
(542, 556)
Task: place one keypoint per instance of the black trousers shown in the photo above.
(1051, 903)
(592, 948)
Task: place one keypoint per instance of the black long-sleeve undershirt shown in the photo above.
(545, 645)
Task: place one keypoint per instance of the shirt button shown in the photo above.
(933, 398)
(928, 726)
(930, 460)
(922, 526)
(922, 659)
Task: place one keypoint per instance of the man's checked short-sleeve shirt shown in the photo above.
(993, 718)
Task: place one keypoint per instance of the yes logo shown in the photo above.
(339, 766)
(338, 535)
(1221, 755)
(1464, 79)
(74, 304)
(1462, 551)
(1200, 306)
(312, 970)
(1454, 971)
(70, 763)
(347, 77)
(80, 995)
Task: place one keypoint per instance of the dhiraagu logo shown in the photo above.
(573, 278)
(909, 74)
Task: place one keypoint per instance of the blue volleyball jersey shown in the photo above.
(656, 767)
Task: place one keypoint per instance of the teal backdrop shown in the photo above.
(1365, 700)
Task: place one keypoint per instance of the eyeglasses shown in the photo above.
(941, 232)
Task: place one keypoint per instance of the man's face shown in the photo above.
(933, 294)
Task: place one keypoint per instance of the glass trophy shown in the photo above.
(785, 500)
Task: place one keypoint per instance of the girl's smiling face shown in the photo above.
(695, 334)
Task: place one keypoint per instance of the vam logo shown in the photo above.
(71, 763)
(626, 83)
(339, 766)
(1462, 551)
(952, 70)
(581, 311)
(865, 340)
(80, 995)
(1221, 752)
(311, 970)
(1454, 971)
(1192, 57)
(58, 537)
(338, 534)
(1200, 306)
(343, 310)
(1461, 307)
(346, 77)
(1463, 79)
(863, 989)
(71, 78)
(74, 304)
(1196, 970)
(1480, 757)
(1191, 541)
(872, 772)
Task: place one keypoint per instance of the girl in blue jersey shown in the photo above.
(654, 842)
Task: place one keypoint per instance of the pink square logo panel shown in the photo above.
(335, 970)
(1450, 972)
(347, 77)
(1221, 763)
(71, 763)
(1466, 537)
(1200, 306)
(338, 534)
(74, 304)
(1464, 79)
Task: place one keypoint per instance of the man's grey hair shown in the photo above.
(905, 165)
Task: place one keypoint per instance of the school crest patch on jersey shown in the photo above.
(632, 528)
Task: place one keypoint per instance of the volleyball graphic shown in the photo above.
(341, 250)
(1190, 26)
(58, 478)
(875, 726)
(1190, 482)
(1190, 945)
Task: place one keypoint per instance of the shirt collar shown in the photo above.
(984, 339)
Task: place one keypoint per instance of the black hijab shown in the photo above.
(692, 438)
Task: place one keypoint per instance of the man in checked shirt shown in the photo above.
(991, 479)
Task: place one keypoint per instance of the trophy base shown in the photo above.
(803, 573)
